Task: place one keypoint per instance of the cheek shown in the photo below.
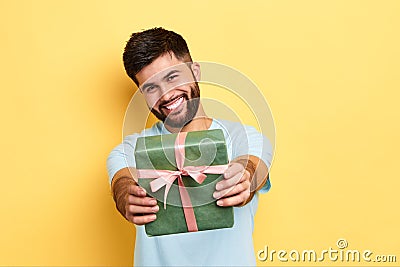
(186, 88)
(152, 102)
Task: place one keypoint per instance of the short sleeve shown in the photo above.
(122, 156)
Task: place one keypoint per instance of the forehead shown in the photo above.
(161, 63)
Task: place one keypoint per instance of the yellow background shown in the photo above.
(329, 69)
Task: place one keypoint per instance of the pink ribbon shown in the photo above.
(166, 178)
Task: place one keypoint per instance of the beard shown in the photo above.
(192, 105)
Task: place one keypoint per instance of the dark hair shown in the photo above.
(144, 47)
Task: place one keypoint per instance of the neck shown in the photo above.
(200, 122)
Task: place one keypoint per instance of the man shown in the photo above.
(159, 63)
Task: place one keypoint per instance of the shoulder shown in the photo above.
(232, 128)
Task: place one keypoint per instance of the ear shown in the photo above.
(196, 71)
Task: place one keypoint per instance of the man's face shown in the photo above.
(170, 90)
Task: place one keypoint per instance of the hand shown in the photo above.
(140, 209)
(234, 189)
(131, 199)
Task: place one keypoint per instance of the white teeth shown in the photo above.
(175, 104)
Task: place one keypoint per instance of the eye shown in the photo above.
(149, 89)
(172, 77)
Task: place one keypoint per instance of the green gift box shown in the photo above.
(160, 156)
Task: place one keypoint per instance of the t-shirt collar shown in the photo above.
(164, 130)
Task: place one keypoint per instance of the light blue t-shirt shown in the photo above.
(221, 247)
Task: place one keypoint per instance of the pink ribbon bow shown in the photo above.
(166, 178)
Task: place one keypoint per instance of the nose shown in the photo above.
(166, 92)
(166, 95)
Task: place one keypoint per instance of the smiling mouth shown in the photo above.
(173, 104)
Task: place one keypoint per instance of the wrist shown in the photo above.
(119, 189)
(250, 167)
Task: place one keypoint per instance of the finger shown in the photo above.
(135, 209)
(141, 201)
(136, 190)
(234, 200)
(233, 169)
(237, 189)
(142, 219)
(226, 183)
